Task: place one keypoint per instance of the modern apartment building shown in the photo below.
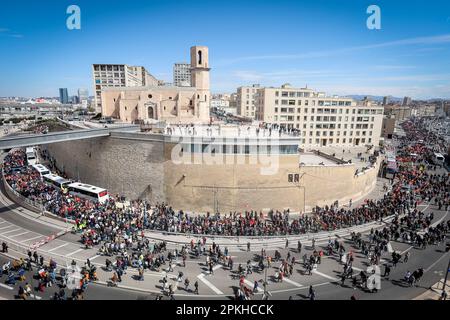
(399, 112)
(119, 75)
(406, 101)
(388, 127)
(83, 94)
(182, 74)
(63, 96)
(320, 119)
(245, 101)
(386, 100)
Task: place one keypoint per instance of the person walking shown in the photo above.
(387, 271)
(343, 276)
(312, 293)
(196, 287)
(255, 286)
(354, 283)
(406, 258)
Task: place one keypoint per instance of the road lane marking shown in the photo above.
(439, 221)
(251, 285)
(428, 269)
(292, 282)
(201, 277)
(11, 231)
(206, 273)
(6, 287)
(20, 234)
(35, 297)
(37, 237)
(389, 247)
(404, 251)
(94, 257)
(72, 253)
(325, 275)
(58, 247)
(11, 225)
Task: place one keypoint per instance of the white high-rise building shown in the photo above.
(245, 101)
(406, 101)
(182, 74)
(83, 94)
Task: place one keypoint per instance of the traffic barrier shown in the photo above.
(38, 244)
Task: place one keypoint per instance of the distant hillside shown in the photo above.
(374, 98)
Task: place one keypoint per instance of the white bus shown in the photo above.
(438, 159)
(31, 155)
(41, 169)
(88, 191)
(57, 181)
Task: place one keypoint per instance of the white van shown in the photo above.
(438, 159)
(31, 155)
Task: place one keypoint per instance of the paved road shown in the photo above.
(22, 230)
(220, 284)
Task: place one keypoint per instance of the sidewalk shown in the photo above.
(434, 293)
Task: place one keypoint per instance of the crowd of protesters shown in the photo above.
(263, 130)
(107, 222)
(117, 230)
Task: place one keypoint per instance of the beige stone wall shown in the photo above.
(141, 168)
(130, 167)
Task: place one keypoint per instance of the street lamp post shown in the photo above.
(445, 281)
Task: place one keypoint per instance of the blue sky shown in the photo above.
(323, 44)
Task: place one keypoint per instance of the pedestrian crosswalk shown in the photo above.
(201, 277)
(325, 275)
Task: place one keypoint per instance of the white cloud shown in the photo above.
(392, 67)
(319, 54)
